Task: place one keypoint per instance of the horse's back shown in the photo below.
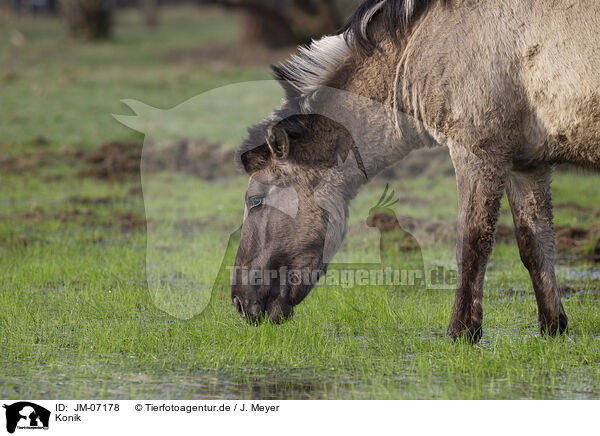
(561, 77)
(480, 68)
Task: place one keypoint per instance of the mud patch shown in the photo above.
(590, 211)
(505, 233)
(36, 211)
(129, 221)
(201, 158)
(25, 161)
(427, 231)
(74, 214)
(572, 243)
(90, 201)
(126, 221)
(38, 159)
(115, 160)
(581, 242)
(569, 238)
(429, 162)
(18, 240)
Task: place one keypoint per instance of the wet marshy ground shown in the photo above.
(79, 320)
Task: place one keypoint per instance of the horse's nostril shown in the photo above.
(239, 306)
(254, 309)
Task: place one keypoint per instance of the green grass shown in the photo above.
(78, 319)
(66, 91)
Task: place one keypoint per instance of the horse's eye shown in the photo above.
(254, 202)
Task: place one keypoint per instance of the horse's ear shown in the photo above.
(278, 141)
(255, 159)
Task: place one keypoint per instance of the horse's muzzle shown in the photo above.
(277, 310)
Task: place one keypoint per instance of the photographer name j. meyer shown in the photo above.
(254, 407)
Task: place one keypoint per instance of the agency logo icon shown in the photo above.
(26, 415)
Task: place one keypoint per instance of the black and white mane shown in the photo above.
(314, 65)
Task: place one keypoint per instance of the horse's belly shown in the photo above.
(564, 132)
(561, 77)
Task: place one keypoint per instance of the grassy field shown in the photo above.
(78, 318)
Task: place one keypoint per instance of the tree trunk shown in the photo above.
(267, 28)
(90, 19)
(277, 23)
(150, 13)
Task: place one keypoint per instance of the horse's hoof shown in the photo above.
(459, 331)
(555, 328)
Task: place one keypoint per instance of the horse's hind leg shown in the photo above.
(530, 199)
(481, 184)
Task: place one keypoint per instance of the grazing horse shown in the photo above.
(511, 87)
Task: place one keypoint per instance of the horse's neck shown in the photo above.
(366, 101)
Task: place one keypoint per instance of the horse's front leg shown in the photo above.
(481, 183)
(530, 199)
